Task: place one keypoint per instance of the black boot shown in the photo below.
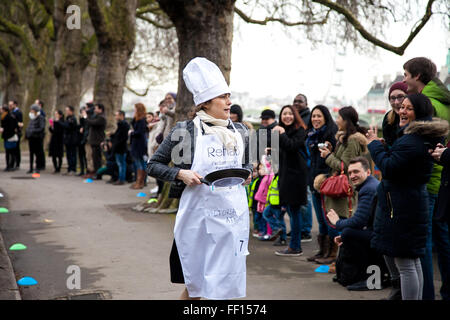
(396, 292)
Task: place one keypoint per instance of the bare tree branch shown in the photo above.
(153, 22)
(150, 8)
(248, 19)
(98, 21)
(137, 93)
(369, 37)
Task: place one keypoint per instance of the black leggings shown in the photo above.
(36, 146)
(17, 156)
(10, 158)
(82, 157)
(57, 163)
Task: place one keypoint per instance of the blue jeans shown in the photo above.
(295, 216)
(275, 219)
(261, 224)
(121, 160)
(324, 228)
(139, 163)
(438, 237)
(307, 214)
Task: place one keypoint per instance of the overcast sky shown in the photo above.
(266, 61)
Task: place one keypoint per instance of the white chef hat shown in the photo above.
(204, 80)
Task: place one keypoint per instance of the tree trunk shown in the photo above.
(72, 55)
(13, 89)
(110, 79)
(9, 56)
(204, 29)
(115, 27)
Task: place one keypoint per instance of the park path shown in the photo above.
(66, 222)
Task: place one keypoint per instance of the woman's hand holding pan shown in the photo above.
(189, 177)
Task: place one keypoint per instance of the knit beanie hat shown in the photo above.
(173, 94)
(398, 85)
(35, 107)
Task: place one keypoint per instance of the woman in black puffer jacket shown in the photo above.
(400, 226)
(293, 170)
(9, 128)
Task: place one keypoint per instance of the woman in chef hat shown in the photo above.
(212, 224)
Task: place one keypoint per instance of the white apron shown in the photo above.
(212, 225)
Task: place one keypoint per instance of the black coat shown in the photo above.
(36, 128)
(17, 114)
(138, 138)
(306, 115)
(293, 171)
(120, 137)
(56, 146)
(10, 127)
(70, 130)
(401, 218)
(97, 126)
(442, 207)
(82, 136)
(390, 131)
(318, 165)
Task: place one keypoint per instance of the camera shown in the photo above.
(322, 145)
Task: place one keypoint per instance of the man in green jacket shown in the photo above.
(420, 76)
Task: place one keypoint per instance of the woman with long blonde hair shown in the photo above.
(139, 143)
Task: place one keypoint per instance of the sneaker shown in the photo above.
(265, 237)
(289, 253)
(288, 234)
(255, 234)
(154, 190)
(280, 242)
(306, 237)
(276, 234)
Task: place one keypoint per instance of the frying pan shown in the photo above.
(226, 177)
